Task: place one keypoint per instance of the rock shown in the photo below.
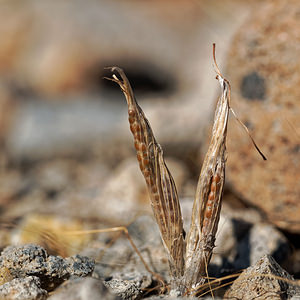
(53, 177)
(80, 265)
(122, 258)
(146, 236)
(82, 289)
(24, 260)
(240, 244)
(53, 195)
(261, 281)
(28, 288)
(261, 239)
(5, 275)
(32, 260)
(125, 192)
(144, 231)
(263, 72)
(74, 127)
(128, 285)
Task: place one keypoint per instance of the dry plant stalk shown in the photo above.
(188, 266)
(207, 203)
(160, 183)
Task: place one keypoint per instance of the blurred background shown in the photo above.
(67, 159)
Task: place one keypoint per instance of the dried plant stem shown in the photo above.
(207, 204)
(160, 183)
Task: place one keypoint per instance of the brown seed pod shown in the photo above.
(161, 186)
(207, 204)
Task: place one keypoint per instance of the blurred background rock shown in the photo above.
(52, 61)
(63, 127)
(263, 68)
(66, 148)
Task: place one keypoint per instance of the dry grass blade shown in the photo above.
(161, 186)
(207, 204)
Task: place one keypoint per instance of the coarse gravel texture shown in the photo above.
(28, 288)
(263, 281)
(33, 260)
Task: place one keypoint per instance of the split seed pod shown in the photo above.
(207, 203)
(189, 272)
(160, 183)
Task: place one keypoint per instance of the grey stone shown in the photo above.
(80, 265)
(22, 261)
(128, 285)
(261, 239)
(68, 126)
(56, 266)
(82, 289)
(121, 257)
(144, 231)
(28, 288)
(262, 281)
(125, 192)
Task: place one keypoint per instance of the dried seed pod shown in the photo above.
(207, 204)
(161, 186)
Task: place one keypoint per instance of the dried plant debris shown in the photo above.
(188, 263)
(160, 183)
(207, 204)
